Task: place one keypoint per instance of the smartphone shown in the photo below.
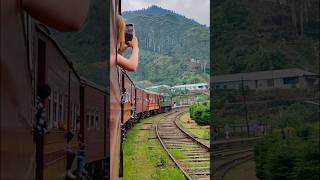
(129, 32)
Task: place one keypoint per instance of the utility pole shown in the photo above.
(245, 105)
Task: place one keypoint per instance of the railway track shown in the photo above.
(228, 154)
(189, 154)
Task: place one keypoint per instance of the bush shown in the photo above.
(200, 112)
(296, 157)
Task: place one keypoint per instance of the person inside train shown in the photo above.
(130, 64)
(40, 127)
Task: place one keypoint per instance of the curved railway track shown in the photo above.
(228, 154)
(189, 154)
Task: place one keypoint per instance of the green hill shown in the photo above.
(173, 48)
(252, 35)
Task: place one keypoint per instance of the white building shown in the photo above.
(263, 80)
(192, 87)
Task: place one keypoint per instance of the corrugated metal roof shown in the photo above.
(259, 75)
(190, 85)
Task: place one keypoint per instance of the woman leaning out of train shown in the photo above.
(130, 64)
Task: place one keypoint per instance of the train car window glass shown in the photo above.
(60, 109)
(65, 110)
(76, 112)
(49, 113)
(54, 114)
(92, 121)
(72, 115)
(75, 117)
(97, 121)
(88, 121)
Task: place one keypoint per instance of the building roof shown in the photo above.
(156, 87)
(190, 85)
(151, 92)
(259, 75)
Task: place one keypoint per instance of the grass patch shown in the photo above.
(177, 153)
(201, 132)
(245, 170)
(144, 157)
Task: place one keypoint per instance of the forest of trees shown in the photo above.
(169, 43)
(252, 35)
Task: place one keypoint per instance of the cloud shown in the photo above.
(198, 10)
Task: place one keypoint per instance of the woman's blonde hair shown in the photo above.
(120, 27)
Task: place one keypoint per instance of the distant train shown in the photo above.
(96, 115)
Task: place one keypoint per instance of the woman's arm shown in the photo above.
(130, 64)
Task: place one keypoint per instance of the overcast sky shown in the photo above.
(198, 10)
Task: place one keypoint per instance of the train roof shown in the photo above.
(125, 73)
(43, 29)
(92, 84)
(151, 92)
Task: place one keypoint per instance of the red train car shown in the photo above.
(153, 102)
(145, 101)
(139, 101)
(63, 105)
(127, 97)
(19, 80)
(93, 125)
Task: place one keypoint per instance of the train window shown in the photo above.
(97, 121)
(60, 109)
(76, 116)
(49, 113)
(72, 116)
(54, 114)
(92, 121)
(88, 121)
(65, 110)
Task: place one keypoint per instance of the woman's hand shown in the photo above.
(134, 42)
(122, 48)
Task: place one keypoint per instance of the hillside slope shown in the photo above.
(168, 43)
(175, 48)
(252, 35)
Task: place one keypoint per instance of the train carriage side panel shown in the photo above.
(133, 95)
(16, 102)
(93, 121)
(145, 97)
(62, 106)
(127, 86)
(139, 100)
(114, 97)
(74, 109)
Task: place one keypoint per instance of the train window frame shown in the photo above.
(88, 121)
(92, 119)
(60, 109)
(72, 116)
(65, 112)
(76, 117)
(49, 113)
(54, 111)
(97, 121)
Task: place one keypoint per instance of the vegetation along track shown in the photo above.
(190, 155)
(229, 153)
